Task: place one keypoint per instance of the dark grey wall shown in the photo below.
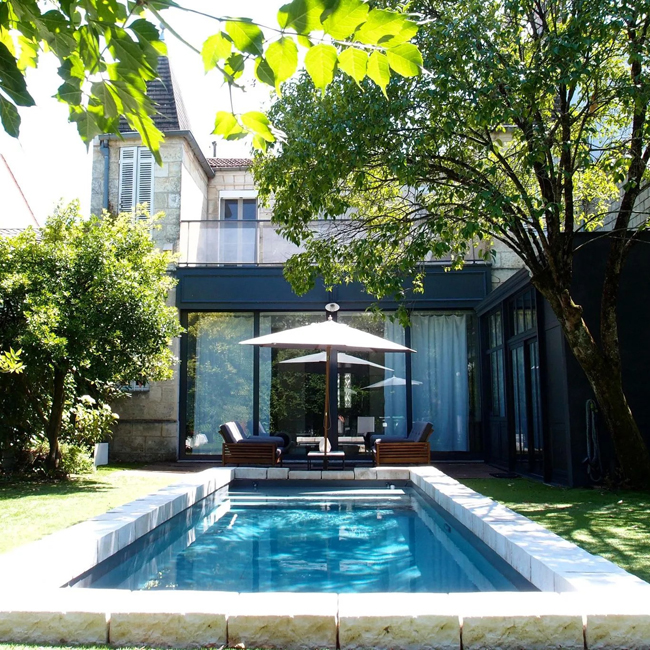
(633, 320)
(251, 288)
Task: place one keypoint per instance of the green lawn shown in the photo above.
(30, 510)
(614, 524)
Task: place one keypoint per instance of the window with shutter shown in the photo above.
(136, 178)
(127, 178)
(145, 178)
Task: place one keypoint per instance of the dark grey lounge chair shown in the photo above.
(232, 433)
(420, 432)
(238, 449)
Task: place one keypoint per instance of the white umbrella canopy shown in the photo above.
(391, 381)
(327, 335)
(324, 335)
(343, 359)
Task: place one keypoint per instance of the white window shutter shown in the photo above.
(128, 156)
(145, 178)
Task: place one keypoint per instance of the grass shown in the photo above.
(614, 524)
(30, 510)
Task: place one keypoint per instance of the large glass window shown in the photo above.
(292, 395)
(372, 394)
(524, 314)
(378, 396)
(440, 377)
(219, 377)
(495, 360)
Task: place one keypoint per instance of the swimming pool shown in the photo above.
(583, 601)
(306, 538)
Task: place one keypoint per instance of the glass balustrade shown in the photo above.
(249, 242)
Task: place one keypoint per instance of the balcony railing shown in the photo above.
(216, 242)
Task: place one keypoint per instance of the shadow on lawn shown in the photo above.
(614, 524)
(20, 486)
(12, 489)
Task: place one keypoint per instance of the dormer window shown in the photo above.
(136, 178)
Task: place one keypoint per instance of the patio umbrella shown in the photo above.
(327, 335)
(343, 360)
(392, 381)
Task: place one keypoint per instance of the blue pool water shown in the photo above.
(310, 539)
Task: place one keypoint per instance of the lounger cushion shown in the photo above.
(231, 432)
(419, 433)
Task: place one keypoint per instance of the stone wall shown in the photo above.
(505, 264)
(231, 179)
(167, 185)
(148, 426)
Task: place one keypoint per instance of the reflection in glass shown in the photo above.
(219, 377)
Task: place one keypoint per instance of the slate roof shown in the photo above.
(166, 97)
(229, 163)
(10, 232)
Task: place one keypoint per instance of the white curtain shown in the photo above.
(395, 395)
(440, 363)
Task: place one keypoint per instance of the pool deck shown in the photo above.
(585, 601)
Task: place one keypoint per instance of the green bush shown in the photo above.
(75, 460)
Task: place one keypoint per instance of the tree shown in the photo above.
(85, 301)
(109, 49)
(530, 126)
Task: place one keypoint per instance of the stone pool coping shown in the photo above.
(585, 602)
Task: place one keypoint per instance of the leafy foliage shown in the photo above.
(529, 127)
(109, 49)
(86, 304)
(10, 361)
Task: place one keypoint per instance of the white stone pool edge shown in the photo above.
(586, 601)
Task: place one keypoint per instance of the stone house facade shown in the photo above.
(230, 269)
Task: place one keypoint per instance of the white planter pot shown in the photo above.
(101, 454)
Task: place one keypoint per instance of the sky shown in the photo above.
(51, 163)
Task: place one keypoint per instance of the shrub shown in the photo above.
(75, 460)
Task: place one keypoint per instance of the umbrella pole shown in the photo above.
(326, 418)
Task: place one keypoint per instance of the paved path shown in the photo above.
(457, 470)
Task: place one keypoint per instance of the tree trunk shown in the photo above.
(607, 383)
(54, 423)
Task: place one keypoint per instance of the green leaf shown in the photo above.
(234, 67)
(216, 48)
(379, 70)
(345, 18)
(354, 62)
(227, 126)
(69, 92)
(282, 56)
(28, 53)
(259, 143)
(263, 71)
(408, 31)
(86, 121)
(10, 117)
(381, 24)
(88, 41)
(246, 36)
(259, 124)
(102, 91)
(12, 81)
(405, 59)
(304, 41)
(304, 16)
(320, 62)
